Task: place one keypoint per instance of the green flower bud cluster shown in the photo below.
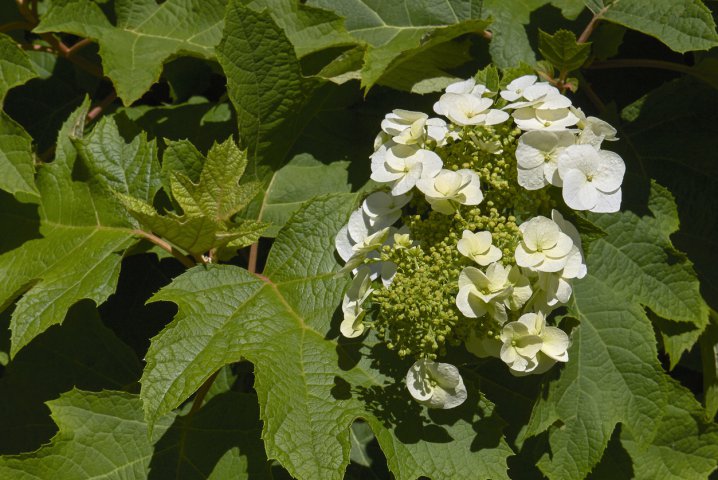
(491, 152)
(417, 314)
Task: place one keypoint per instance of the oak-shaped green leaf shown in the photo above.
(16, 158)
(311, 387)
(683, 25)
(264, 82)
(101, 435)
(129, 168)
(685, 446)
(562, 50)
(85, 231)
(82, 353)
(395, 32)
(15, 67)
(141, 36)
(614, 375)
(207, 206)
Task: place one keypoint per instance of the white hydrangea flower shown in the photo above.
(360, 226)
(593, 130)
(384, 209)
(449, 188)
(363, 248)
(356, 295)
(591, 178)
(467, 109)
(515, 89)
(543, 108)
(491, 292)
(477, 246)
(403, 165)
(468, 86)
(576, 263)
(543, 247)
(537, 157)
(436, 385)
(530, 346)
(409, 128)
(520, 346)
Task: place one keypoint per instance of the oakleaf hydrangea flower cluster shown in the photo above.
(465, 244)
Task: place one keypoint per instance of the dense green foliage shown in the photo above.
(172, 179)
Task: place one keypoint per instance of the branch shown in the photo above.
(253, 254)
(583, 38)
(184, 260)
(15, 26)
(642, 63)
(201, 393)
(78, 46)
(97, 110)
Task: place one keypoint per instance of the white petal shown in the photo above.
(555, 343)
(344, 244)
(418, 381)
(578, 193)
(610, 172)
(532, 178)
(608, 202)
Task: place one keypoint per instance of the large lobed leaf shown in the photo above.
(310, 387)
(141, 37)
(16, 159)
(85, 232)
(614, 375)
(103, 435)
(395, 32)
(264, 82)
(683, 25)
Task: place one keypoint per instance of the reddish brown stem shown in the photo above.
(99, 108)
(184, 260)
(583, 38)
(253, 254)
(15, 26)
(78, 46)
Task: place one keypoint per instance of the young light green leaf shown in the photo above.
(128, 168)
(396, 33)
(91, 442)
(142, 36)
(218, 194)
(15, 67)
(285, 319)
(264, 81)
(614, 359)
(207, 205)
(183, 157)
(562, 50)
(683, 25)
